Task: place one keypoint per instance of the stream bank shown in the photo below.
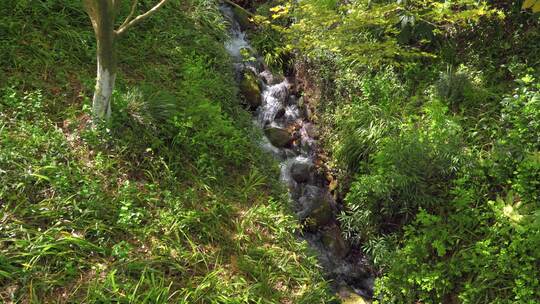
(279, 109)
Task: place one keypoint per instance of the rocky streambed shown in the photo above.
(279, 110)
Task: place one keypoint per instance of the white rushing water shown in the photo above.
(309, 194)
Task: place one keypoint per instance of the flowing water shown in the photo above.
(292, 139)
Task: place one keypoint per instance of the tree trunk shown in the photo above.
(106, 76)
(103, 23)
(103, 14)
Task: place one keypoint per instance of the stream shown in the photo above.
(293, 141)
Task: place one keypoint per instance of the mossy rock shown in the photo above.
(249, 87)
(321, 216)
(243, 18)
(278, 137)
(301, 171)
(348, 296)
(334, 242)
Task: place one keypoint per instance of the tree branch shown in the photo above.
(239, 7)
(139, 18)
(131, 13)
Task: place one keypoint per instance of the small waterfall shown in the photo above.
(291, 138)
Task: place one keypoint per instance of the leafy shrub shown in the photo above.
(521, 115)
(518, 126)
(28, 106)
(409, 171)
(470, 256)
(368, 33)
(452, 86)
(269, 42)
(147, 109)
(527, 182)
(478, 250)
(364, 121)
(361, 129)
(462, 89)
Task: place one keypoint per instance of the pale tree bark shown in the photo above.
(102, 13)
(103, 16)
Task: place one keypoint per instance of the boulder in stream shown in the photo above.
(321, 212)
(280, 113)
(311, 130)
(292, 100)
(249, 87)
(314, 207)
(320, 216)
(279, 137)
(348, 296)
(301, 171)
(334, 242)
(317, 207)
(269, 79)
(308, 199)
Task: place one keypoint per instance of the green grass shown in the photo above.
(170, 203)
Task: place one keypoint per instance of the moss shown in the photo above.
(249, 87)
(243, 18)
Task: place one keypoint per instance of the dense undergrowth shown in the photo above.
(430, 111)
(170, 202)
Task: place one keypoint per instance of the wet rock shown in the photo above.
(307, 144)
(311, 130)
(296, 193)
(301, 170)
(302, 108)
(303, 207)
(318, 208)
(243, 18)
(259, 63)
(280, 113)
(366, 285)
(310, 200)
(334, 242)
(250, 89)
(321, 215)
(348, 296)
(291, 100)
(349, 270)
(292, 81)
(289, 153)
(269, 79)
(279, 137)
(313, 192)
